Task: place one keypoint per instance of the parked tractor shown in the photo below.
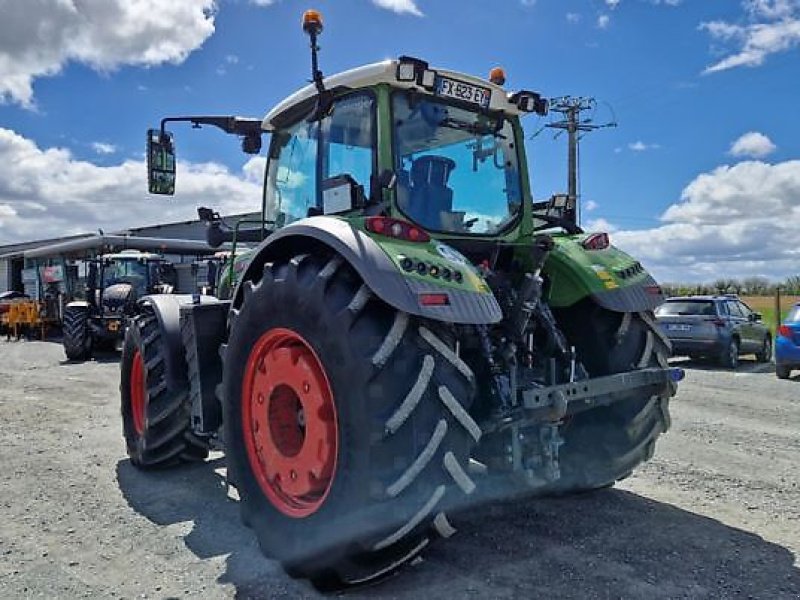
(412, 332)
(115, 282)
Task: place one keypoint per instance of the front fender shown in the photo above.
(167, 309)
(376, 260)
(612, 278)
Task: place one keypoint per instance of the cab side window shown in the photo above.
(347, 140)
(292, 176)
(342, 143)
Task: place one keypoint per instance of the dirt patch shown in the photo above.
(715, 514)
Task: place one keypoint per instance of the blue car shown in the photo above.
(787, 344)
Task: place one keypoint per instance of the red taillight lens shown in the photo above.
(434, 299)
(596, 241)
(784, 331)
(396, 228)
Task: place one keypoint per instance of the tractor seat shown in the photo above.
(430, 196)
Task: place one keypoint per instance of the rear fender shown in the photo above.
(612, 278)
(376, 259)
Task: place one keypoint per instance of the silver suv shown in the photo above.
(717, 327)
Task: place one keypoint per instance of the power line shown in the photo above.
(571, 108)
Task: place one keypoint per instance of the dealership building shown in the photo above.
(52, 264)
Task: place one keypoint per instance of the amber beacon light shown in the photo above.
(497, 76)
(312, 22)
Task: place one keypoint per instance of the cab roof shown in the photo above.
(386, 72)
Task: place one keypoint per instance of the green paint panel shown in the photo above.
(433, 254)
(575, 272)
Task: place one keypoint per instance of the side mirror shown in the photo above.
(160, 162)
(756, 317)
(340, 194)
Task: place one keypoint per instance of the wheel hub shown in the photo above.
(289, 421)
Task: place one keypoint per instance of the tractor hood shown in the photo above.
(117, 296)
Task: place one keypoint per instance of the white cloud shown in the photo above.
(612, 4)
(38, 38)
(732, 222)
(399, 6)
(603, 21)
(599, 224)
(48, 193)
(640, 146)
(753, 145)
(590, 205)
(573, 17)
(103, 148)
(262, 2)
(774, 26)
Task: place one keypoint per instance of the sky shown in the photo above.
(699, 179)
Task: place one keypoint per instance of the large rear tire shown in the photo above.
(77, 339)
(155, 418)
(604, 445)
(316, 362)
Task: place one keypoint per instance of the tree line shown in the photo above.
(749, 286)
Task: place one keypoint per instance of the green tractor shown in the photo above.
(411, 334)
(115, 282)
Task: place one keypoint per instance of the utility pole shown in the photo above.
(571, 109)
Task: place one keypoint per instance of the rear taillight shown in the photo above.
(784, 331)
(434, 299)
(596, 241)
(396, 228)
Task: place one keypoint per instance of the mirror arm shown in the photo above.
(233, 125)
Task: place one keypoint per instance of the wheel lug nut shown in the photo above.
(293, 475)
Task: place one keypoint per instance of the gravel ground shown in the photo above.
(715, 514)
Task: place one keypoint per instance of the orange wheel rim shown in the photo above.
(138, 393)
(290, 423)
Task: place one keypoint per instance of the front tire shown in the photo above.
(379, 393)
(155, 419)
(782, 371)
(77, 338)
(765, 354)
(604, 445)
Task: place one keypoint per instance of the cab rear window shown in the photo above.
(692, 307)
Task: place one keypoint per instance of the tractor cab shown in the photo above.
(436, 149)
(439, 149)
(145, 273)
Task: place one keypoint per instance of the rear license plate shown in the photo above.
(675, 327)
(466, 92)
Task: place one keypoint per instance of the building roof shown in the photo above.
(16, 250)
